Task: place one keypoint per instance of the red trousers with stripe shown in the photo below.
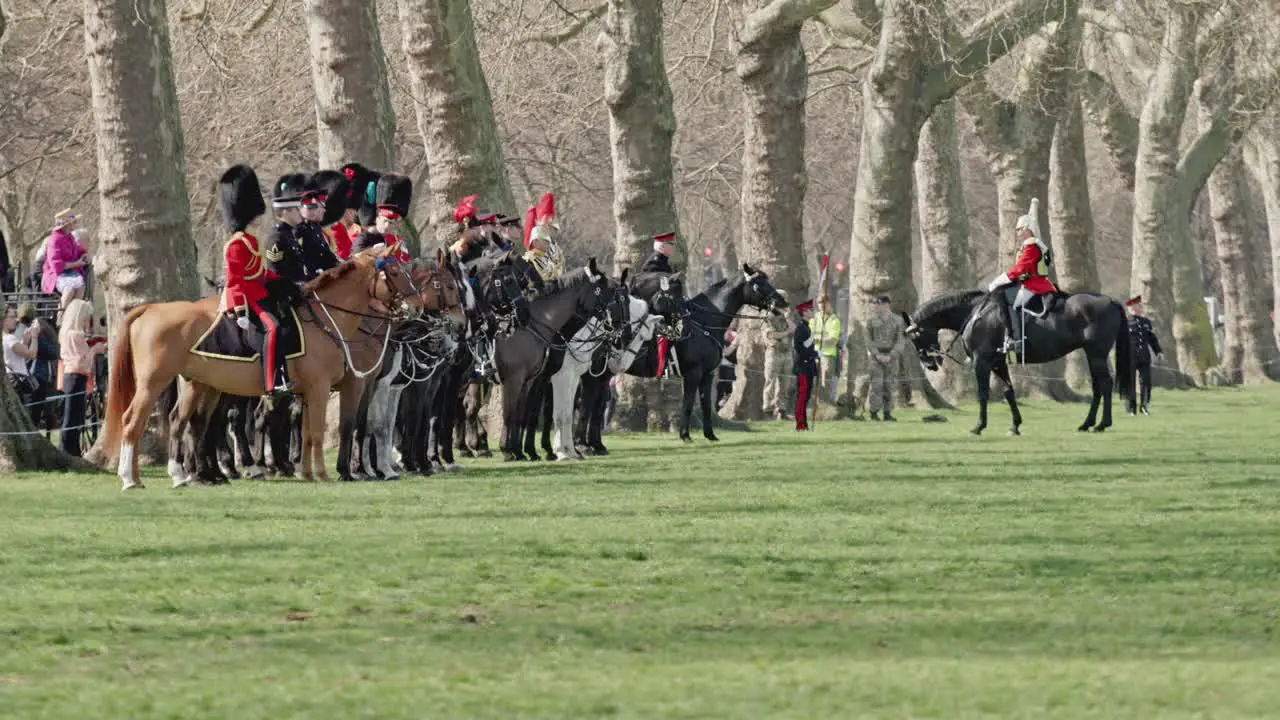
(664, 347)
(269, 348)
(804, 388)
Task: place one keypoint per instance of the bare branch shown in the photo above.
(778, 15)
(988, 40)
(852, 24)
(1118, 126)
(556, 38)
(261, 18)
(1106, 27)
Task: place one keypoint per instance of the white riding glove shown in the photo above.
(243, 322)
(1001, 280)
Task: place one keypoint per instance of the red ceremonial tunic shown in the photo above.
(246, 273)
(339, 240)
(396, 245)
(1027, 270)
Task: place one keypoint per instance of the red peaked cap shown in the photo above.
(806, 305)
(1133, 300)
(546, 208)
(466, 209)
(529, 220)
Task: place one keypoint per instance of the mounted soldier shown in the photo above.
(1030, 272)
(394, 196)
(472, 237)
(283, 251)
(664, 246)
(247, 273)
(541, 249)
(335, 192)
(317, 249)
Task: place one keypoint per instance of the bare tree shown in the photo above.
(454, 109)
(141, 162)
(944, 231)
(354, 116)
(912, 73)
(1263, 155)
(1071, 217)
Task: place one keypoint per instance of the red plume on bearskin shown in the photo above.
(240, 196)
(465, 210)
(530, 219)
(547, 208)
(358, 179)
(395, 192)
(336, 188)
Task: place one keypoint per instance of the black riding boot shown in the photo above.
(1010, 334)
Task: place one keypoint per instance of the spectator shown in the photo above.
(64, 261)
(20, 348)
(42, 368)
(77, 364)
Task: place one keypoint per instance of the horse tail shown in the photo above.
(121, 384)
(1124, 357)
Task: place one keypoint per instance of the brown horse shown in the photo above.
(153, 347)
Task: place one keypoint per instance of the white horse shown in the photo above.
(577, 360)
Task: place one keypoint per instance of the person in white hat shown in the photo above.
(1031, 271)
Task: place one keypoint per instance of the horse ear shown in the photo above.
(675, 276)
(623, 279)
(747, 269)
(592, 270)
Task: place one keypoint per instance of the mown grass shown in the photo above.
(863, 570)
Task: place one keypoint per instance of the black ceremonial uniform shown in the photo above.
(804, 365)
(316, 254)
(1145, 346)
(657, 263)
(284, 254)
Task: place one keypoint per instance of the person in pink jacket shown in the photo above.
(64, 260)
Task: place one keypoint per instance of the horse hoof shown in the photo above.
(181, 482)
(511, 457)
(1014, 432)
(686, 439)
(600, 450)
(464, 452)
(254, 472)
(552, 457)
(452, 468)
(485, 454)
(711, 437)
(133, 486)
(976, 431)
(345, 478)
(1084, 428)
(1100, 428)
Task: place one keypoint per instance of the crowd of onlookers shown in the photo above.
(60, 357)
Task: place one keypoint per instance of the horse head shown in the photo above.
(759, 293)
(618, 311)
(393, 284)
(925, 339)
(499, 286)
(439, 289)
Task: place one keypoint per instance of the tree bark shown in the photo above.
(775, 84)
(1017, 135)
(141, 168)
(944, 233)
(22, 447)
(355, 120)
(455, 112)
(1165, 268)
(1265, 148)
(904, 85)
(1071, 219)
(1249, 349)
(642, 125)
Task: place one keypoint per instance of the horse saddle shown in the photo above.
(225, 340)
(1038, 306)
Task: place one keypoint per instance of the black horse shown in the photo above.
(701, 347)
(1095, 323)
(521, 356)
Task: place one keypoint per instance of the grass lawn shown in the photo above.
(863, 570)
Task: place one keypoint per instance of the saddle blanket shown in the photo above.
(224, 340)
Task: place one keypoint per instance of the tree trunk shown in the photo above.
(775, 84)
(1165, 267)
(455, 112)
(1266, 167)
(355, 120)
(1071, 219)
(944, 234)
(22, 447)
(1249, 350)
(642, 124)
(141, 168)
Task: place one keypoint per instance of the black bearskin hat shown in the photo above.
(395, 193)
(240, 197)
(335, 187)
(358, 179)
(288, 191)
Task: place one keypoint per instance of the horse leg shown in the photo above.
(1002, 371)
(1101, 382)
(686, 406)
(461, 440)
(529, 418)
(513, 391)
(182, 435)
(548, 419)
(982, 371)
(595, 426)
(561, 417)
(314, 402)
(705, 388)
(295, 431)
(446, 401)
(348, 403)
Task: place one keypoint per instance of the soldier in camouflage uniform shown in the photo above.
(884, 348)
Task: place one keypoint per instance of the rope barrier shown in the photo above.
(54, 398)
(42, 432)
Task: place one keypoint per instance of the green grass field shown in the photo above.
(859, 571)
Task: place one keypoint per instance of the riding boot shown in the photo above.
(1010, 340)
